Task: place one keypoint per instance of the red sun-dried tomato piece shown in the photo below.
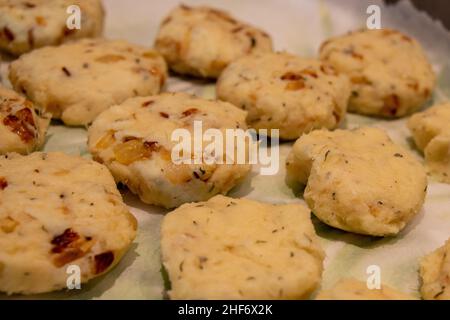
(152, 145)
(21, 124)
(63, 240)
(3, 183)
(291, 76)
(189, 112)
(103, 261)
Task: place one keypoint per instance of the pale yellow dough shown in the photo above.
(435, 274)
(77, 81)
(390, 73)
(285, 92)
(358, 180)
(431, 133)
(202, 41)
(351, 289)
(29, 24)
(229, 248)
(22, 130)
(58, 211)
(134, 140)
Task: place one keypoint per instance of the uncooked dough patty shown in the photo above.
(78, 80)
(285, 92)
(202, 41)
(358, 180)
(58, 211)
(134, 140)
(229, 248)
(29, 24)
(390, 74)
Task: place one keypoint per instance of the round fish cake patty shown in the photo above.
(57, 211)
(21, 129)
(77, 81)
(435, 274)
(29, 24)
(390, 74)
(431, 133)
(351, 289)
(358, 180)
(134, 140)
(229, 248)
(202, 41)
(285, 92)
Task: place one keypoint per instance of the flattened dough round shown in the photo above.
(77, 81)
(21, 129)
(240, 249)
(285, 92)
(202, 41)
(431, 133)
(53, 214)
(435, 274)
(29, 24)
(358, 180)
(135, 142)
(390, 74)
